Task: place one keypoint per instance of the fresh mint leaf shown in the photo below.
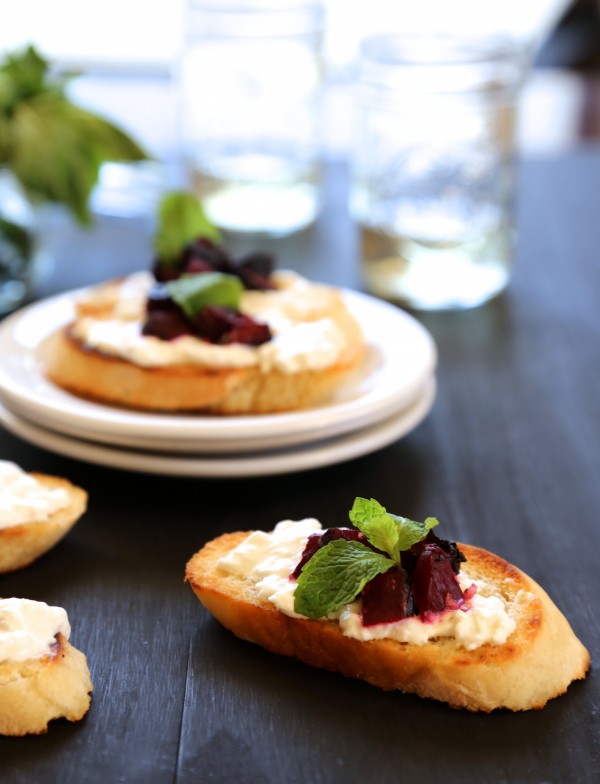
(386, 531)
(370, 517)
(335, 575)
(410, 531)
(194, 292)
(180, 220)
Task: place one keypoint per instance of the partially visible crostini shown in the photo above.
(42, 676)
(36, 512)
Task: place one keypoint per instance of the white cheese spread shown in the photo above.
(28, 628)
(268, 559)
(23, 499)
(304, 336)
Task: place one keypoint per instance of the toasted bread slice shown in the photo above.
(254, 385)
(538, 661)
(35, 691)
(92, 374)
(21, 544)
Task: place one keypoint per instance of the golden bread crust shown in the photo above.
(92, 374)
(36, 691)
(538, 661)
(22, 544)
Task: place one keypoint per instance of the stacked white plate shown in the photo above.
(390, 395)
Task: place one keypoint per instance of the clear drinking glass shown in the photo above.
(433, 174)
(250, 93)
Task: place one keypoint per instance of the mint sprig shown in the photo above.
(194, 292)
(337, 573)
(386, 531)
(180, 220)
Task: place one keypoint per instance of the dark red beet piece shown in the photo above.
(166, 325)
(316, 541)
(203, 255)
(313, 543)
(213, 321)
(165, 272)
(434, 584)
(254, 269)
(410, 557)
(197, 266)
(222, 325)
(387, 598)
(349, 534)
(260, 261)
(160, 299)
(249, 333)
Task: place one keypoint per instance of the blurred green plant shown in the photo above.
(52, 147)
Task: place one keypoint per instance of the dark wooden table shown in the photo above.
(508, 459)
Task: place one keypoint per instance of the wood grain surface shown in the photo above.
(508, 459)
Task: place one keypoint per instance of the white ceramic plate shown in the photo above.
(280, 461)
(401, 357)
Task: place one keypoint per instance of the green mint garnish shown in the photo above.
(194, 292)
(386, 531)
(180, 220)
(338, 572)
(370, 517)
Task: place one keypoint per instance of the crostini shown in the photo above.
(391, 603)
(36, 512)
(42, 676)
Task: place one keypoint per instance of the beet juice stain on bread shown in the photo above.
(206, 332)
(393, 604)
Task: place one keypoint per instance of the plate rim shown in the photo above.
(288, 460)
(331, 418)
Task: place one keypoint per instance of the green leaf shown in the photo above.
(335, 575)
(370, 517)
(386, 531)
(180, 220)
(193, 292)
(53, 147)
(26, 74)
(410, 532)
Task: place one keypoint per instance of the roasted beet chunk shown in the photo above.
(164, 272)
(434, 584)
(316, 541)
(199, 255)
(255, 269)
(160, 299)
(349, 534)
(410, 557)
(212, 322)
(247, 331)
(165, 319)
(166, 325)
(222, 325)
(387, 598)
(260, 261)
(202, 255)
(310, 548)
